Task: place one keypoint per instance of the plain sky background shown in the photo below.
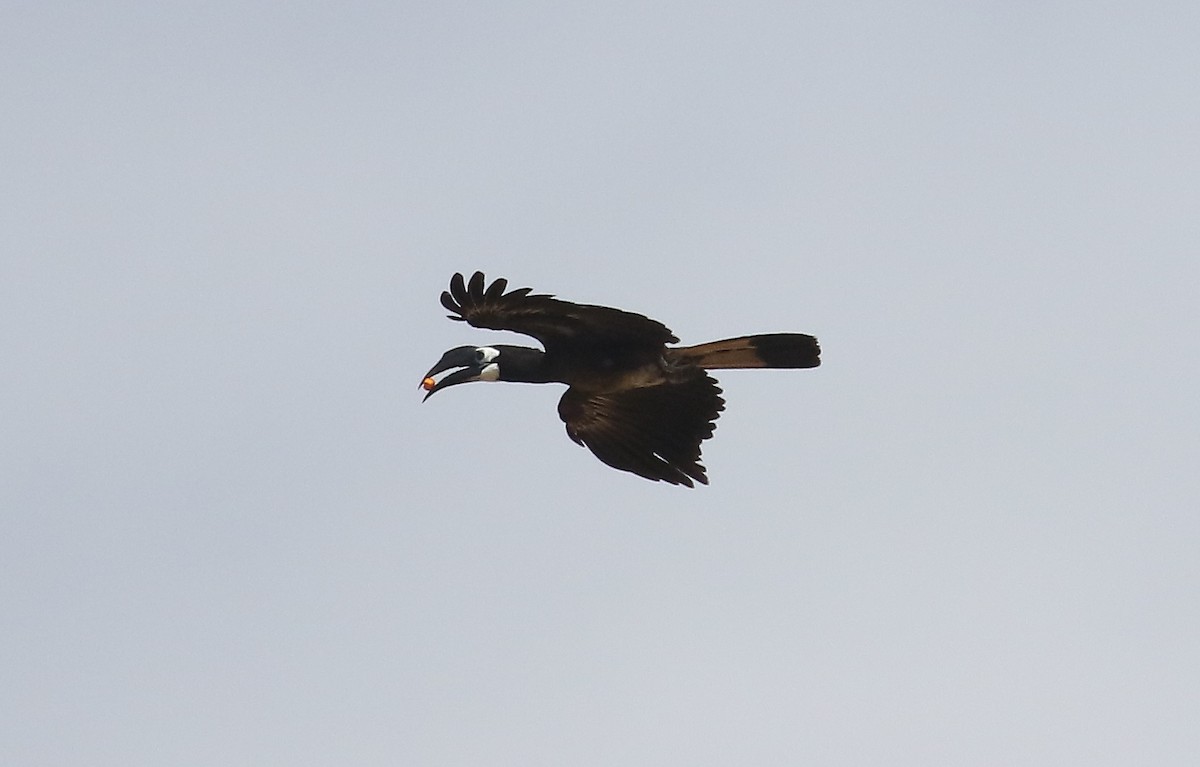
(233, 535)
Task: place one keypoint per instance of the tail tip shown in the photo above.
(788, 350)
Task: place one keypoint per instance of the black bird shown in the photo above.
(636, 403)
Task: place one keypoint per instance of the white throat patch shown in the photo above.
(490, 372)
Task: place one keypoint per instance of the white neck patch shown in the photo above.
(490, 372)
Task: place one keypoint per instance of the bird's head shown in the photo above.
(478, 363)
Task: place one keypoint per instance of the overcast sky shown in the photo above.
(233, 535)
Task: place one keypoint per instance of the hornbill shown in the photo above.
(639, 405)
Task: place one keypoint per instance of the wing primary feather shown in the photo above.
(496, 289)
(475, 286)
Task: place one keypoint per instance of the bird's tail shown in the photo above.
(769, 350)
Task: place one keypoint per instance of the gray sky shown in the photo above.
(232, 535)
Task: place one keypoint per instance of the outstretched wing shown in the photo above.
(555, 323)
(653, 431)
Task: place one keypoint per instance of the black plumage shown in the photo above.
(639, 405)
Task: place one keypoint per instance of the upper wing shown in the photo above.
(553, 322)
(653, 431)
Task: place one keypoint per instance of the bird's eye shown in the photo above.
(486, 354)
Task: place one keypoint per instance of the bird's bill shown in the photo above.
(457, 377)
(461, 357)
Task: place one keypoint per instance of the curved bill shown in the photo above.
(457, 377)
(460, 357)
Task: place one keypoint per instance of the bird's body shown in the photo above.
(639, 405)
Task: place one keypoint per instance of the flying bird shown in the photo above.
(638, 404)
